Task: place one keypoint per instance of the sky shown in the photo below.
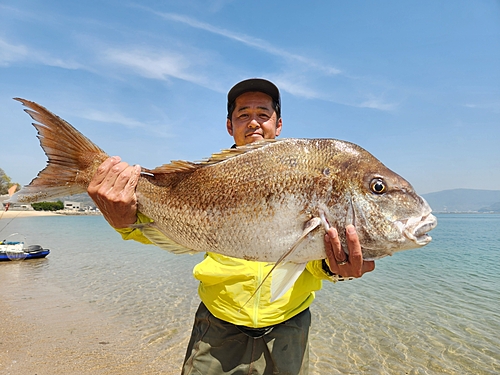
(416, 83)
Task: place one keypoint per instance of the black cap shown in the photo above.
(254, 84)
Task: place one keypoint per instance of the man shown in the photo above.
(261, 337)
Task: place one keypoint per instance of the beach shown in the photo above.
(11, 214)
(61, 337)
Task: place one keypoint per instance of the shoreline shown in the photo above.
(11, 214)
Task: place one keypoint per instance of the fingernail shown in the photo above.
(350, 229)
(333, 233)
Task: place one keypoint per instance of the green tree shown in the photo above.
(48, 206)
(5, 183)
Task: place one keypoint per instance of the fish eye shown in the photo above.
(377, 186)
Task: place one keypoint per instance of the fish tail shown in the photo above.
(72, 158)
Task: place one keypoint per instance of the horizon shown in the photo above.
(414, 84)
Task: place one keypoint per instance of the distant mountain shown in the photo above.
(464, 200)
(495, 207)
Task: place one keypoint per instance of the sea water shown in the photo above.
(434, 310)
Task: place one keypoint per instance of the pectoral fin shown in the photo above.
(284, 276)
(159, 239)
(308, 228)
(290, 271)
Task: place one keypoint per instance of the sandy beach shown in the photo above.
(59, 339)
(11, 214)
(46, 331)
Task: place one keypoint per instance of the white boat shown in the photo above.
(16, 250)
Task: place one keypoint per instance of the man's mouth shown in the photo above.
(254, 135)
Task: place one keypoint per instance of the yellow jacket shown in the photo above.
(227, 283)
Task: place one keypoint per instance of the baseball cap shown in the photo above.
(254, 84)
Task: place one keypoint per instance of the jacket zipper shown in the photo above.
(257, 296)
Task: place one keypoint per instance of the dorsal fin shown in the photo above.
(232, 152)
(187, 166)
(174, 166)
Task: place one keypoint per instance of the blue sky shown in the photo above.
(416, 83)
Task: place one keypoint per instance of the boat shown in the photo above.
(16, 250)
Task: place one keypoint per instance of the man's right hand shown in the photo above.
(342, 264)
(113, 190)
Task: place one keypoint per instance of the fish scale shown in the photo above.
(244, 200)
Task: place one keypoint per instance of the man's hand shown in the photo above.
(113, 190)
(338, 261)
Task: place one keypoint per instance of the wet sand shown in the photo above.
(28, 213)
(43, 330)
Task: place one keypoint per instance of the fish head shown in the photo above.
(391, 215)
(388, 214)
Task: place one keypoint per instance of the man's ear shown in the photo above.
(229, 127)
(278, 127)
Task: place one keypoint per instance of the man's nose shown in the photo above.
(254, 124)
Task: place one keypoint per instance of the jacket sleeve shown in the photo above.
(320, 270)
(135, 233)
(317, 270)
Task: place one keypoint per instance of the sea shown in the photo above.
(434, 310)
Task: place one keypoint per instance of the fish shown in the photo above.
(269, 201)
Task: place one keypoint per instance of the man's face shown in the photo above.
(253, 119)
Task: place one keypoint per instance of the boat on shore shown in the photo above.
(16, 250)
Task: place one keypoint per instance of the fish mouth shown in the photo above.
(416, 228)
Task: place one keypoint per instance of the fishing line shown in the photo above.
(10, 221)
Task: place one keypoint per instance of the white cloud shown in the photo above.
(310, 69)
(150, 64)
(295, 86)
(112, 118)
(160, 65)
(11, 53)
(377, 103)
(157, 130)
(249, 41)
(491, 106)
